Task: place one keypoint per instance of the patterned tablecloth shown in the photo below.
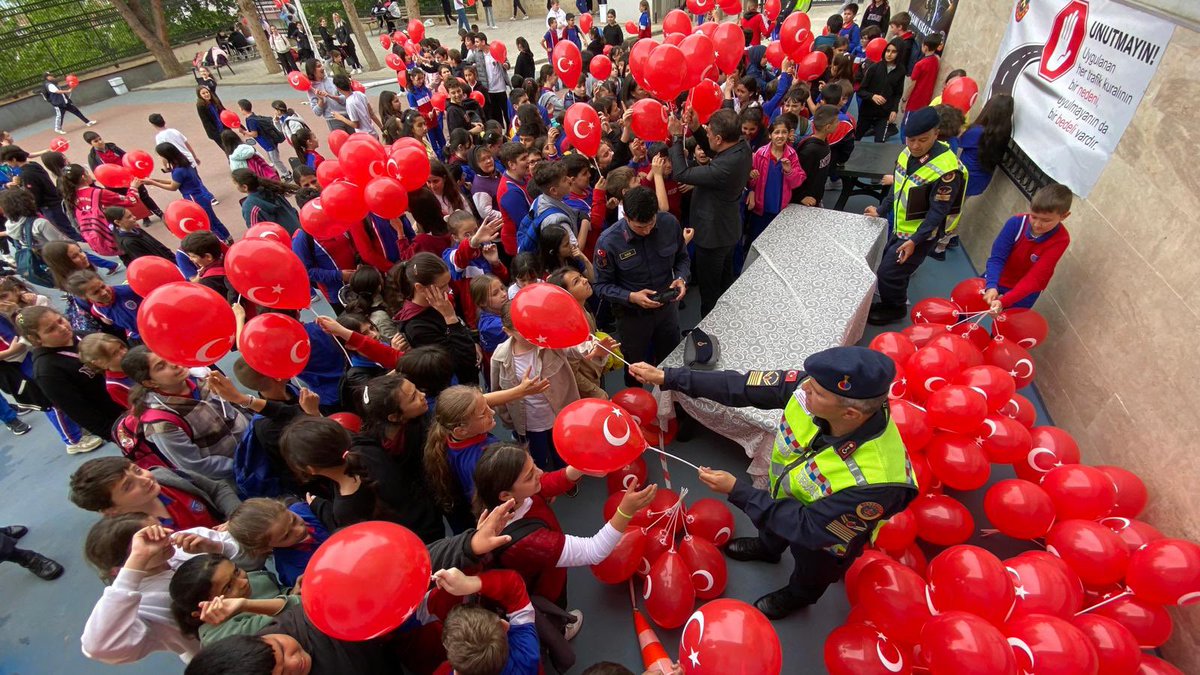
(807, 286)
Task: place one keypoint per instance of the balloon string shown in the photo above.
(988, 532)
(663, 460)
(972, 316)
(632, 595)
(1123, 594)
(610, 352)
(675, 457)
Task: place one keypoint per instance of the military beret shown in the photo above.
(920, 121)
(852, 372)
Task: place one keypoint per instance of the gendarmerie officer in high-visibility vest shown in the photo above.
(925, 201)
(838, 469)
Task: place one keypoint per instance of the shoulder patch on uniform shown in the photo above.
(771, 378)
(943, 193)
(846, 449)
(626, 255)
(949, 176)
(601, 258)
(846, 527)
(869, 510)
(792, 376)
(754, 378)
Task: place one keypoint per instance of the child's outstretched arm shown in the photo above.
(528, 387)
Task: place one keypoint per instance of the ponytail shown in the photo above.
(70, 182)
(453, 409)
(136, 366)
(402, 279)
(255, 183)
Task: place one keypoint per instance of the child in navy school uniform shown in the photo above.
(489, 294)
(473, 253)
(291, 534)
(114, 305)
(1027, 250)
(101, 351)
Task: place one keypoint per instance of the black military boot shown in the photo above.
(779, 604)
(750, 548)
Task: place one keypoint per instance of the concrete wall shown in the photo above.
(1120, 370)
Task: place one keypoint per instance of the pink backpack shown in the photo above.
(94, 227)
(261, 168)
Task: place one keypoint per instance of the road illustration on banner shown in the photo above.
(1055, 58)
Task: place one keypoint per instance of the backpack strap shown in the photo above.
(518, 531)
(155, 415)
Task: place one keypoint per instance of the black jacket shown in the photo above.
(134, 245)
(716, 207)
(462, 115)
(94, 158)
(35, 179)
(879, 80)
(613, 35)
(524, 65)
(429, 328)
(815, 157)
(399, 479)
(212, 128)
(75, 389)
(331, 656)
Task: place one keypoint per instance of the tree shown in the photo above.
(158, 41)
(249, 13)
(364, 44)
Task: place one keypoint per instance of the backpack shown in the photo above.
(252, 469)
(130, 436)
(29, 259)
(531, 226)
(96, 230)
(261, 168)
(266, 127)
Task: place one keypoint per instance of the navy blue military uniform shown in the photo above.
(823, 548)
(627, 262)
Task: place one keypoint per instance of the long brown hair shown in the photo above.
(402, 279)
(454, 405)
(58, 259)
(201, 103)
(498, 469)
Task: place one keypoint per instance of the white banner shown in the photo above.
(1077, 70)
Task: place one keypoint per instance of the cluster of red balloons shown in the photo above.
(366, 177)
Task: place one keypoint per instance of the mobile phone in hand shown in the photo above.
(665, 296)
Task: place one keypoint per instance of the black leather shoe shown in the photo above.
(779, 604)
(882, 315)
(43, 566)
(750, 548)
(14, 531)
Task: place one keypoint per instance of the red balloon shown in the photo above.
(930, 369)
(677, 21)
(600, 67)
(186, 324)
(1019, 509)
(585, 24)
(624, 560)
(922, 333)
(960, 642)
(638, 55)
(479, 98)
(669, 593)
(729, 637)
(658, 436)
(268, 274)
(1115, 646)
(582, 126)
(699, 54)
(895, 345)
(567, 62)
(230, 119)
(1152, 665)
(319, 222)
(1021, 410)
(961, 93)
(1131, 491)
(631, 27)
(630, 475)
(359, 161)
(970, 579)
(184, 217)
(269, 231)
(996, 385)
(581, 426)
(705, 99)
(860, 649)
(337, 601)
(968, 355)
(1048, 644)
(665, 72)
(850, 579)
(394, 61)
(344, 201)
(707, 565)
(72, 80)
(700, 8)
(1090, 549)
(1025, 327)
(416, 30)
(956, 408)
(385, 197)
(410, 166)
(913, 425)
(548, 316)
(275, 345)
(657, 543)
(1050, 447)
(1003, 439)
(649, 120)
(795, 37)
(663, 501)
(968, 293)
(499, 51)
(914, 559)
(1166, 572)
(113, 175)
(898, 389)
(639, 402)
(1043, 586)
(974, 333)
(59, 144)
(942, 520)
(1134, 533)
(771, 9)
(149, 272)
(385, 41)
(897, 533)
(1150, 623)
(337, 138)
(730, 45)
(710, 519)
(139, 163)
(349, 421)
(812, 66)
(934, 310)
(299, 81)
(893, 597)
(875, 49)
(1079, 491)
(438, 100)
(1011, 357)
(958, 461)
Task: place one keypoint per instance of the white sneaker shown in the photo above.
(573, 629)
(60, 132)
(90, 124)
(428, 22)
(216, 202)
(86, 444)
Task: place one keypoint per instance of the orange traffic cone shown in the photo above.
(654, 657)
